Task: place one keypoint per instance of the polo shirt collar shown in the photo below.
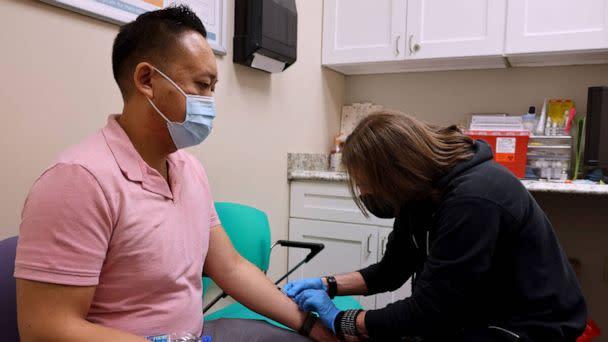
(132, 165)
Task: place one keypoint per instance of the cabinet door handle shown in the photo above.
(383, 246)
(369, 248)
(409, 43)
(413, 48)
(397, 52)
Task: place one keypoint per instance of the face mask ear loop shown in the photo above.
(176, 86)
(205, 98)
(159, 112)
(170, 81)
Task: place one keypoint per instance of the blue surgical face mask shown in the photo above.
(200, 112)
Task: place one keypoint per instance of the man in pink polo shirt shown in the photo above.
(115, 234)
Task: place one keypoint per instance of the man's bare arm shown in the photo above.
(250, 286)
(50, 312)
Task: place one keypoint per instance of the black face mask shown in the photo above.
(378, 207)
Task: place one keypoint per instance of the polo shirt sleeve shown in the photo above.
(65, 229)
(214, 219)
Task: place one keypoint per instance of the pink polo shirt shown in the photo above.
(101, 216)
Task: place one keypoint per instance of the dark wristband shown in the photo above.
(309, 322)
(346, 323)
(332, 286)
(337, 327)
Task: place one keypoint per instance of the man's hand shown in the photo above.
(321, 334)
(293, 288)
(318, 301)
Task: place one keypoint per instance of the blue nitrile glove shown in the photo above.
(293, 288)
(318, 301)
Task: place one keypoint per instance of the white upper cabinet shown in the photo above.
(378, 36)
(358, 31)
(466, 28)
(541, 26)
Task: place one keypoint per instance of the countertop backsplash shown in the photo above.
(307, 161)
(352, 114)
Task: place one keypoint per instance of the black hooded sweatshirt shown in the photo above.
(486, 263)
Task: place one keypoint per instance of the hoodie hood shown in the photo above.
(483, 153)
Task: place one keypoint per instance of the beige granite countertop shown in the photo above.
(531, 185)
(570, 188)
(313, 167)
(329, 176)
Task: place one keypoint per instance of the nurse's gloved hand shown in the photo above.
(318, 301)
(293, 288)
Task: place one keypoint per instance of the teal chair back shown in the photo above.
(249, 232)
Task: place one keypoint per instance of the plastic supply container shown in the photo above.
(510, 148)
(549, 157)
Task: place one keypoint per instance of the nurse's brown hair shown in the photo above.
(399, 158)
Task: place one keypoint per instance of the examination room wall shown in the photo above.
(57, 88)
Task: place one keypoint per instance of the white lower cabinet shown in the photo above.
(349, 245)
(383, 299)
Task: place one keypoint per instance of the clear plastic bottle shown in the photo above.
(556, 170)
(529, 119)
(178, 337)
(544, 169)
(548, 127)
(335, 158)
(554, 129)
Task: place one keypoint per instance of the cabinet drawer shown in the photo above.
(328, 201)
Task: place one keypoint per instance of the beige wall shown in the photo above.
(57, 88)
(448, 96)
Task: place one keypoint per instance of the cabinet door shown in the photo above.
(328, 201)
(438, 28)
(348, 247)
(383, 299)
(356, 31)
(556, 25)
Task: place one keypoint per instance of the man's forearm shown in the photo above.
(250, 287)
(350, 284)
(266, 299)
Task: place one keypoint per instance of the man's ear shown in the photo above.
(142, 78)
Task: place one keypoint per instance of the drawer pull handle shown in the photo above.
(369, 248)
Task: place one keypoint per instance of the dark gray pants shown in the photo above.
(249, 330)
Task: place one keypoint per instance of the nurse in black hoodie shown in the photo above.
(485, 262)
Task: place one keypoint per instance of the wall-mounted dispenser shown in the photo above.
(265, 34)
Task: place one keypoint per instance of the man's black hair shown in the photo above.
(151, 37)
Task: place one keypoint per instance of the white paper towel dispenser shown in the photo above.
(265, 34)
